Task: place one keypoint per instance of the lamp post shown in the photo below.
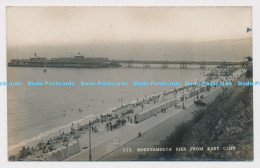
(183, 99)
(90, 157)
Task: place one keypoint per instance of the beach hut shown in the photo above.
(187, 94)
(179, 105)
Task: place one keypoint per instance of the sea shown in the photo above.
(38, 111)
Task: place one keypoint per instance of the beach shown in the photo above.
(109, 131)
(35, 112)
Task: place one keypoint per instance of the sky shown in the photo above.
(28, 26)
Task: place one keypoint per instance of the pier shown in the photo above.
(91, 62)
(182, 64)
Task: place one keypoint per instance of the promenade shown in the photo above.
(152, 137)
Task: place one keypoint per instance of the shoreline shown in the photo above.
(122, 110)
(12, 149)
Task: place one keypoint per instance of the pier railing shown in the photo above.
(179, 62)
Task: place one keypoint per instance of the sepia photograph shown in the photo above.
(129, 83)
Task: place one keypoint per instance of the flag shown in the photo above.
(249, 58)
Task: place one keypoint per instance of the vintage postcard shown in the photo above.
(129, 83)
